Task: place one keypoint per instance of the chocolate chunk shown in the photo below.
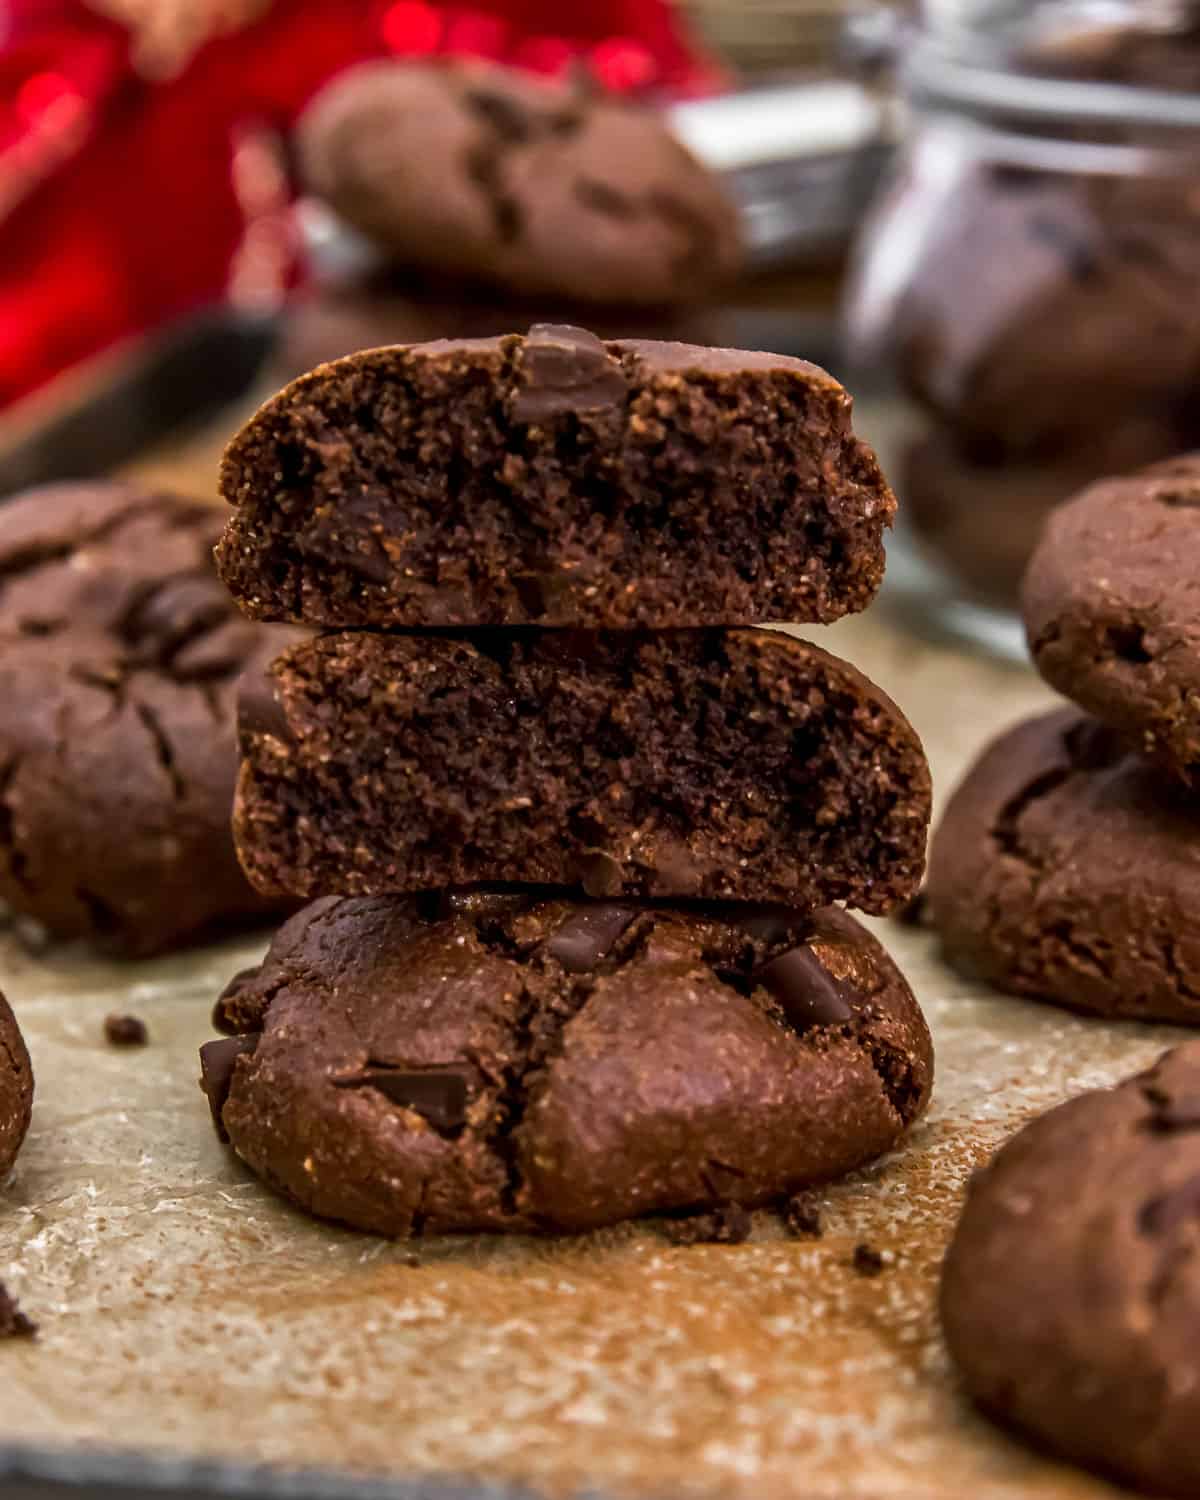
(13, 1322)
(217, 1062)
(727, 1224)
(440, 1097)
(588, 935)
(801, 1217)
(868, 1261)
(1161, 1215)
(125, 1031)
(259, 709)
(807, 991)
(567, 370)
(601, 874)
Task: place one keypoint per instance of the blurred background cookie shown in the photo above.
(119, 657)
(532, 185)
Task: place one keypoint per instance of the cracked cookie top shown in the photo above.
(520, 1060)
(1065, 868)
(1071, 1289)
(537, 186)
(119, 656)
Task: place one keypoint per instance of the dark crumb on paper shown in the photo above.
(915, 913)
(802, 1217)
(728, 1224)
(125, 1031)
(868, 1261)
(13, 1322)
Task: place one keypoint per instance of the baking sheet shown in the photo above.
(184, 1311)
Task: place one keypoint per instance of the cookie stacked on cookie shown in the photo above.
(1066, 866)
(570, 825)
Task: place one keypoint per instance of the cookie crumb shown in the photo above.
(727, 1224)
(13, 1322)
(125, 1031)
(868, 1261)
(802, 1217)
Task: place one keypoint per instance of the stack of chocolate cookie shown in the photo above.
(1066, 867)
(572, 829)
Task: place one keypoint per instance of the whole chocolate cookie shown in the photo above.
(1110, 608)
(556, 480)
(523, 1061)
(527, 183)
(119, 655)
(1065, 868)
(16, 1088)
(1071, 1290)
(731, 765)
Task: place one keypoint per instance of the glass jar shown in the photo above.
(1030, 278)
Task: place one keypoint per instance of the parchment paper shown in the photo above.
(184, 1309)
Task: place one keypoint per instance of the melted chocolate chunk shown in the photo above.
(259, 709)
(567, 370)
(588, 935)
(807, 991)
(217, 1062)
(438, 1096)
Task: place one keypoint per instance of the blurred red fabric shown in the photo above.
(119, 208)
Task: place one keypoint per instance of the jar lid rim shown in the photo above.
(933, 75)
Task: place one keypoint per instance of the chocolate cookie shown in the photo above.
(1065, 868)
(16, 1088)
(526, 183)
(119, 654)
(523, 1061)
(740, 765)
(556, 480)
(1071, 1290)
(1033, 284)
(984, 516)
(1110, 606)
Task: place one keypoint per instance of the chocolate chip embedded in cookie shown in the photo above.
(505, 1061)
(523, 182)
(554, 480)
(16, 1088)
(119, 655)
(1071, 1290)
(1111, 608)
(1065, 868)
(729, 765)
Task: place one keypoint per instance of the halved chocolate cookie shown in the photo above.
(554, 480)
(729, 765)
